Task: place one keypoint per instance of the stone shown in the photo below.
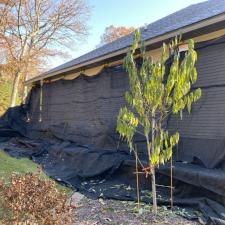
(76, 199)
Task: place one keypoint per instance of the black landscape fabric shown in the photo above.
(84, 110)
(109, 173)
(68, 127)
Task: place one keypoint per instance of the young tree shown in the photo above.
(112, 33)
(33, 29)
(153, 96)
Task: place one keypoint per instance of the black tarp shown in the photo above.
(109, 173)
(84, 110)
(74, 138)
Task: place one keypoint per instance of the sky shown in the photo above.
(128, 13)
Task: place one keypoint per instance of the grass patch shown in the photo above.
(10, 165)
(5, 92)
(5, 95)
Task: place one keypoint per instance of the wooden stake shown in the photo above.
(137, 180)
(171, 182)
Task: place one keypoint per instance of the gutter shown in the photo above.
(152, 41)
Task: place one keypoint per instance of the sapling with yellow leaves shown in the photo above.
(155, 94)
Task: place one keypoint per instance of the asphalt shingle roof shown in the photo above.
(187, 16)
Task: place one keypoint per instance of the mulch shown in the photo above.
(100, 212)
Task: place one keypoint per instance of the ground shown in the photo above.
(98, 212)
(10, 165)
(105, 212)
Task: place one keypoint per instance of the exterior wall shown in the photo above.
(203, 131)
(207, 118)
(83, 110)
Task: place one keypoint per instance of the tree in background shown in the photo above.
(30, 30)
(153, 96)
(112, 33)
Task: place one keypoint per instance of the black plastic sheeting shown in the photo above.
(109, 173)
(85, 110)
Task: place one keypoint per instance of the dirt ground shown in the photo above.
(100, 212)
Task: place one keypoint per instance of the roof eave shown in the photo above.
(161, 38)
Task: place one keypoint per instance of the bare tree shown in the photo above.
(30, 30)
(112, 33)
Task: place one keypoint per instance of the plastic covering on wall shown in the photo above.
(72, 123)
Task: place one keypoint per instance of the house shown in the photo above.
(80, 100)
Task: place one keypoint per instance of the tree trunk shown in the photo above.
(150, 148)
(15, 89)
(25, 88)
(25, 93)
(154, 198)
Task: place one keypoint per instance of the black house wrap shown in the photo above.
(85, 109)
